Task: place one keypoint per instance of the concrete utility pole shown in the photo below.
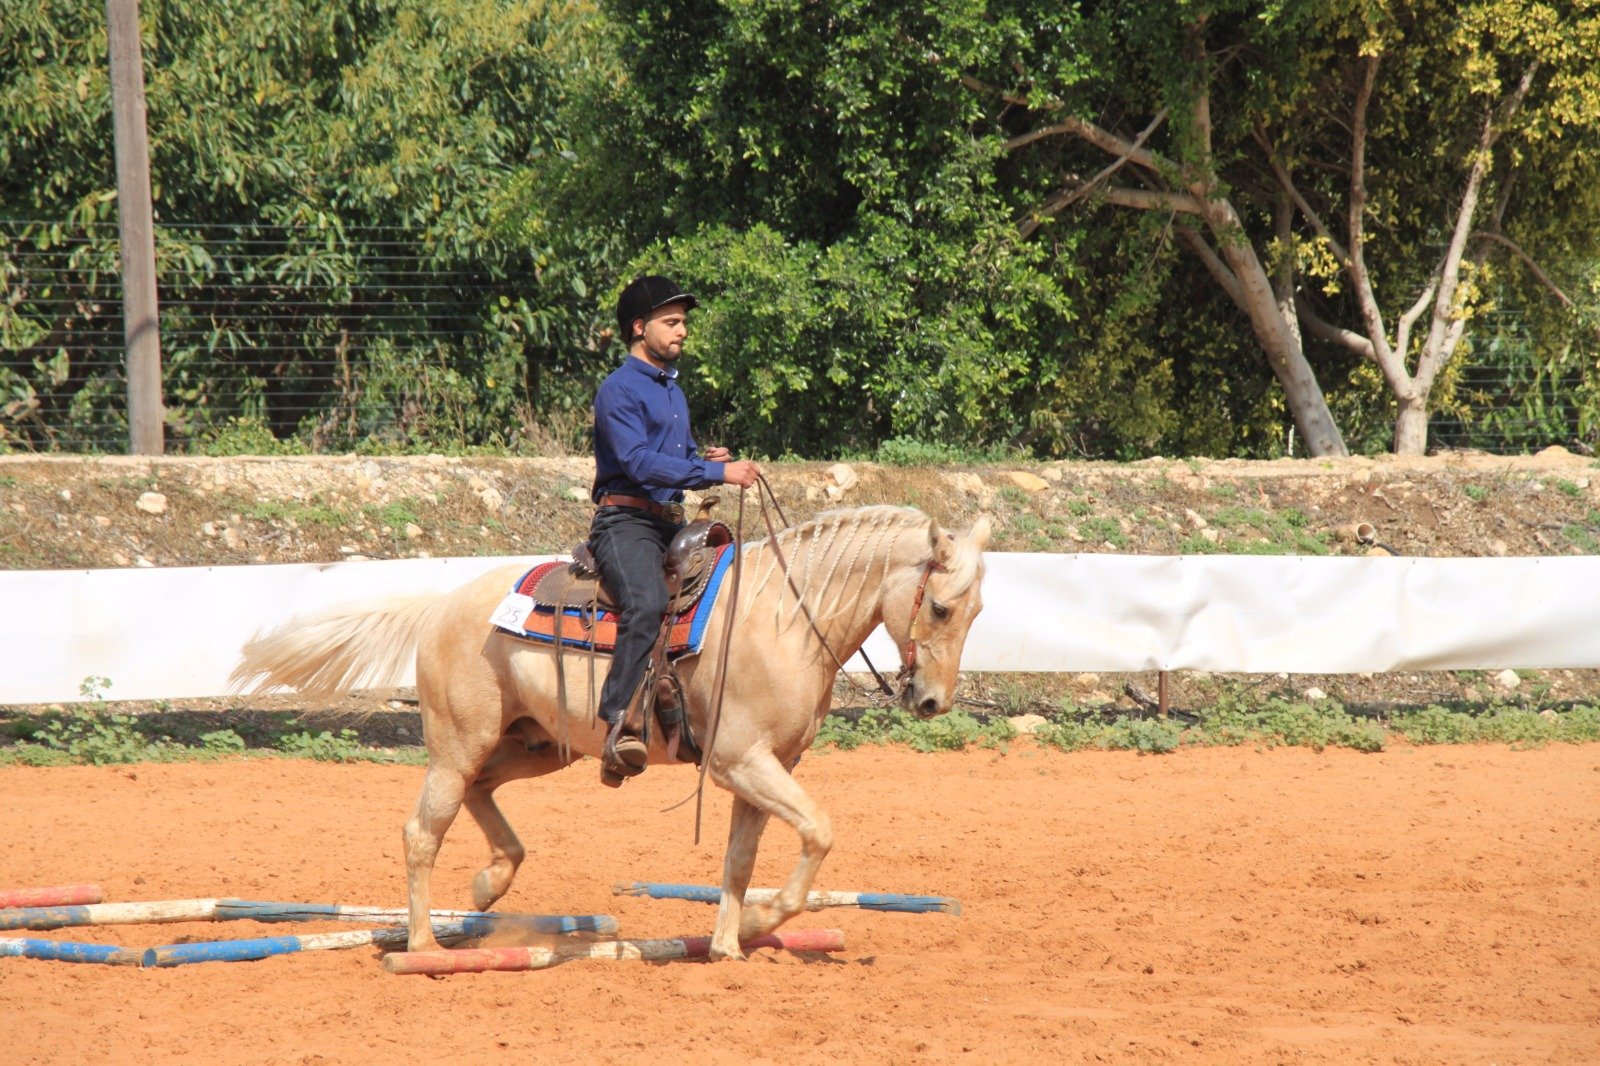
(140, 325)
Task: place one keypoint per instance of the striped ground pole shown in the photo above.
(815, 901)
(266, 911)
(245, 950)
(68, 951)
(55, 896)
(251, 950)
(224, 910)
(155, 912)
(478, 960)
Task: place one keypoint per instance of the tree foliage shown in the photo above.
(1110, 229)
(332, 162)
(1344, 172)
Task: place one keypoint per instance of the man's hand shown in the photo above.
(716, 453)
(742, 473)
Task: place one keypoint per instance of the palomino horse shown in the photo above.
(491, 712)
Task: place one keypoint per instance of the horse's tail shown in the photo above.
(336, 650)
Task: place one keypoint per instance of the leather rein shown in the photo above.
(908, 660)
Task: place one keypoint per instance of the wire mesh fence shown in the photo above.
(329, 336)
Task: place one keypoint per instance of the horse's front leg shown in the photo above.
(764, 783)
(744, 837)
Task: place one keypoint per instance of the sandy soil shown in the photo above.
(1424, 905)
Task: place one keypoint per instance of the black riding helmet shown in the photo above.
(645, 295)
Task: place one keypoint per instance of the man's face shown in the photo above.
(664, 332)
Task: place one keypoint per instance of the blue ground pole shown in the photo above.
(872, 901)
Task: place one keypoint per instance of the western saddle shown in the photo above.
(687, 564)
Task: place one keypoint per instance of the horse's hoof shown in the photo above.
(719, 955)
(483, 894)
(758, 920)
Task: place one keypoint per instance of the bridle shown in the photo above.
(908, 658)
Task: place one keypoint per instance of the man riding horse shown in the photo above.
(645, 456)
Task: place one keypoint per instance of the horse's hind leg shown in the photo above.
(511, 760)
(505, 850)
(763, 783)
(442, 792)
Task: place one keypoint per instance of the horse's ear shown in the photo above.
(980, 532)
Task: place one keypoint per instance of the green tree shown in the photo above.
(825, 195)
(1344, 172)
(355, 169)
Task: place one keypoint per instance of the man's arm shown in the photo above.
(742, 472)
(620, 419)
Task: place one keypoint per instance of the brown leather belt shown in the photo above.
(672, 512)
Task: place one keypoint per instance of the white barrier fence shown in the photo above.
(176, 632)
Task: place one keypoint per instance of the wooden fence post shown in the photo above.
(140, 325)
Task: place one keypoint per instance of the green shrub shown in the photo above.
(245, 436)
(38, 755)
(222, 742)
(323, 746)
(1148, 736)
(1073, 734)
(101, 740)
(1500, 723)
(948, 732)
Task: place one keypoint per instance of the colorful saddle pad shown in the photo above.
(521, 616)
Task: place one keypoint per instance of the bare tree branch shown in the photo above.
(1441, 338)
(1101, 138)
(1310, 213)
(1062, 200)
(1356, 223)
(1213, 263)
(1196, 35)
(1402, 338)
(1497, 219)
(1527, 260)
(1320, 327)
(1153, 199)
(1283, 233)
(1533, 268)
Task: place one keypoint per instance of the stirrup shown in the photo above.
(619, 764)
(680, 738)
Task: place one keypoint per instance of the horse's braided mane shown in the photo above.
(832, 548)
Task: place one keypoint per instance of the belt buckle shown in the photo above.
(672, 512)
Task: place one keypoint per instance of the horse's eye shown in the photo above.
(940, 610)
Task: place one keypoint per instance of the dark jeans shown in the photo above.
(628, 546)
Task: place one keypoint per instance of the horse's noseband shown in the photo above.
(908, 662)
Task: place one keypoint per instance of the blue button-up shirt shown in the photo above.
(642, 443)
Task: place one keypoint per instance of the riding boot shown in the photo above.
(625, 754)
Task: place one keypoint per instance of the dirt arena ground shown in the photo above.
(1423, 905)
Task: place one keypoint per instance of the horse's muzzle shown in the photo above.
(921, 707)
